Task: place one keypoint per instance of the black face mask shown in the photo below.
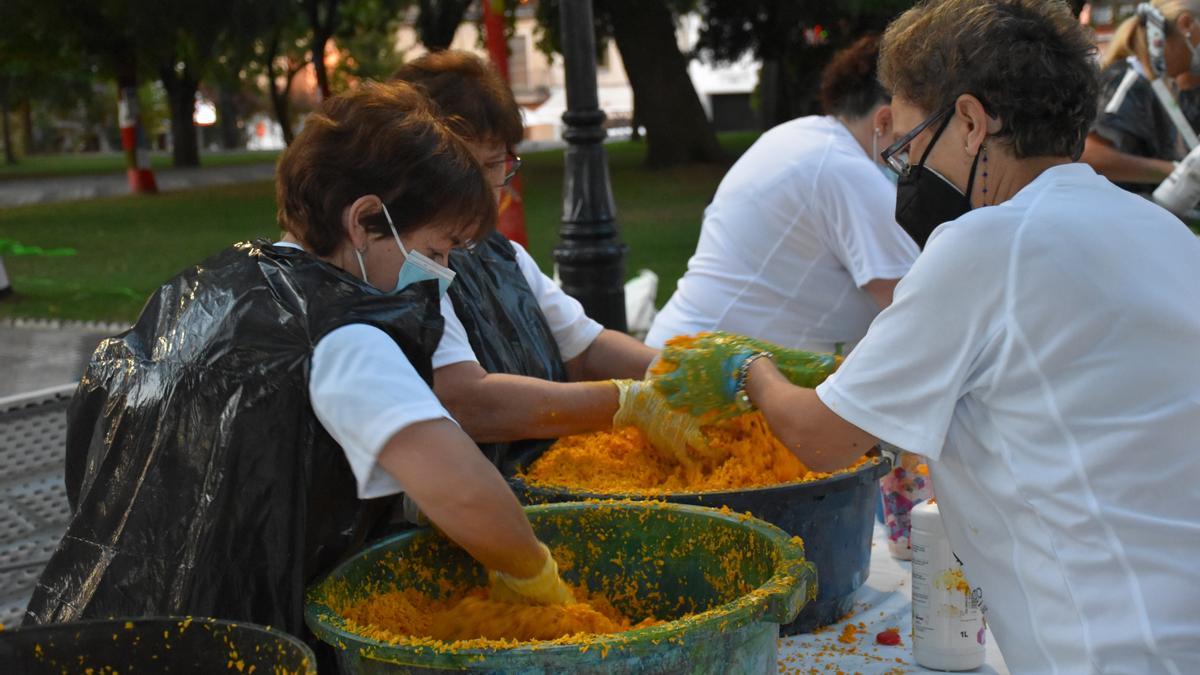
(925, 199)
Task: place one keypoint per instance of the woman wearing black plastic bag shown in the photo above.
(240, 439)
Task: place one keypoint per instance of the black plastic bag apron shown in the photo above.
(505, 326)
(201, 481)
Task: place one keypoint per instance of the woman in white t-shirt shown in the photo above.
(235, 444)
(1043, 353)
(799, 245)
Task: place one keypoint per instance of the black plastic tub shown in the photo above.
(835, 517)
(153, 645)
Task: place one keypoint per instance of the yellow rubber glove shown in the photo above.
(546, 588)
(674, 433)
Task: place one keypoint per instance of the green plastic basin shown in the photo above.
(737, 577)
(153, 645)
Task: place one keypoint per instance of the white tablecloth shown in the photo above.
(885, 601)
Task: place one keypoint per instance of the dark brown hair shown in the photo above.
(850, 82)
(384, 140)
(468, 91)
(1028, 61)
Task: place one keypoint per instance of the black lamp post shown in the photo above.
(590, 255)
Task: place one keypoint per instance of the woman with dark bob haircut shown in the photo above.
(263, 415)
(1043, 353)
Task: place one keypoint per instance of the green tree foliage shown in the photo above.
(367, 40)
(793, 39)
(665, 102)
(45, 76)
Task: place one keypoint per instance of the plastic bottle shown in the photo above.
(1180, 192)
(905, 486)
(948, 626)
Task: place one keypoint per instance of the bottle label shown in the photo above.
(947, 611)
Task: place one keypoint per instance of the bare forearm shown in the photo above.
(497, 407)
(612, 355)
(1122, 167)
(881, 291)
(814, 433)
(463, 494)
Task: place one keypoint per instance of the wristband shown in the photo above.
(740, 397)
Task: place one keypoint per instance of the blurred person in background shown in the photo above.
(800, 244)
(1133, 141)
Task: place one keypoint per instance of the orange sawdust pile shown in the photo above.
(399, 614)
(622, 461)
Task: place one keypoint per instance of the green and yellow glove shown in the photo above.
(699, 374)
(545, 588)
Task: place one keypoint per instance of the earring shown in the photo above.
(983, 149)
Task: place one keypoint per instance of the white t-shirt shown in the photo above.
(573, 330)
(798, 226)
(1044, 354)
(364, 390)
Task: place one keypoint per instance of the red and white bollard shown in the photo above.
(133, 142)
(512, 207)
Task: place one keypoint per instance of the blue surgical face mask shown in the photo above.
(886, 170)
(417, 266)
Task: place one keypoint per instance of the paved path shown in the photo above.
(33, 501)
(35, 355)
(40, 362)
(71, 188)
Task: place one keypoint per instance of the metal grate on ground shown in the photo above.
(33, 500)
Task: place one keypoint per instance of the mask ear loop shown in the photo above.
(937, 134)
(974, 165)
(362, 268)
(396, 236)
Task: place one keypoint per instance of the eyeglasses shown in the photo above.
(896, 154)
(512, 164)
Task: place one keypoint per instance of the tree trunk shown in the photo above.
(677, 130)
(318, 60)
(27, 127)
(279, 96)
(438, 21)
(227, 117)
(322, 29)
(181, 97)
(10, 157)
(773, 94)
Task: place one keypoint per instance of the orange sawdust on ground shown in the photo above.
(622, 461)
(395, 615)
(849, 634)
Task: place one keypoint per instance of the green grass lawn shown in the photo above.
(76, 164)
(127, 246)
